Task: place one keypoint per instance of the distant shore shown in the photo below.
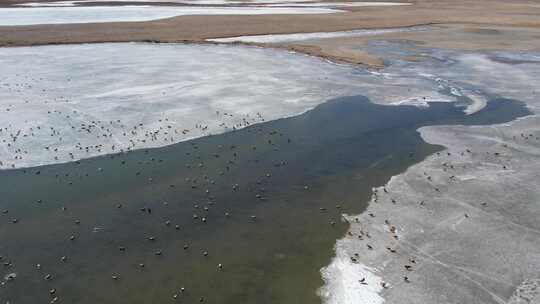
(471, 16)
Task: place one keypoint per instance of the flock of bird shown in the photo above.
(98, 137)
(194, 184)
(103, 133)
(61, 131)
(100, 131)
(385, 196)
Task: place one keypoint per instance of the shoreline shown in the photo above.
(462, 218)
(351, 53)
(299, 93)
(333, 80)
(302, 238)
(404, 239)
(196, 29)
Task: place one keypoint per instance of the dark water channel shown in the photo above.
(264, 202)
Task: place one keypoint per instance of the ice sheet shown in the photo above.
(427, 222)
(270, 3)
(280, 38)
(117, 95)
(95, 14)
(339, 4)
(70, 97)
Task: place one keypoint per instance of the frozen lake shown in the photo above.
(60, 103)
(180, 91)
(263, 3)
(96, 14)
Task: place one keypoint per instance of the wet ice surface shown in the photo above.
(61, 103)
(95, 14)
(461, 226)
(280, 38)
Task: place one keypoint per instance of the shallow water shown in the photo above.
(286, 171)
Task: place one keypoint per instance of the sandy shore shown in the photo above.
(451, 36)
(198, 28)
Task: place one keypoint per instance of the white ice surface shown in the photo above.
(96, 14)
(48, 4)
(339, 4)
(280, 38)
(51, 95)
(350, 283)
(222, 2)
(269, 3)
